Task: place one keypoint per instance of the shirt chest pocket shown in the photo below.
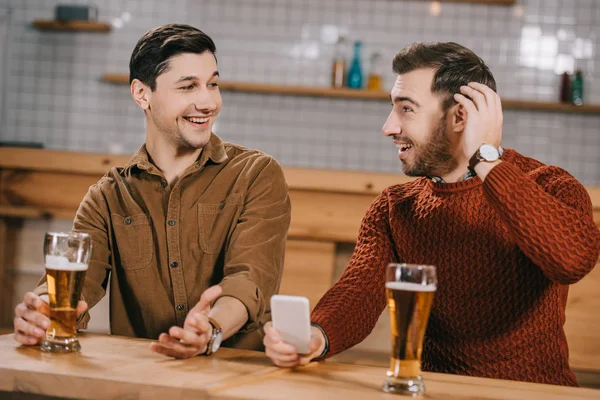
(216, 220)
(133, 236)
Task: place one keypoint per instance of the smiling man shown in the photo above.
(507, 233)
(190, 234)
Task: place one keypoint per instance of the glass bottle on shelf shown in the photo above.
(338, 68)
(374, 81)
(565, 88)
(355, 74)
(577, 88)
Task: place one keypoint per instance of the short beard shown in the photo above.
(173, 134)
(433, 158)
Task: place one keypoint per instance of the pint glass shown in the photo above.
(66, 256)
(409, 290)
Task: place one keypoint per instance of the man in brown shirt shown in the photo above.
(190, 234)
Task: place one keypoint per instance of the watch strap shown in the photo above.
(474, 160)
(215, 324)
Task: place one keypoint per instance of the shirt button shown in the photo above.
(163, 184)
(127, 221)
(180, 307)
(172, 222)
(174, 264)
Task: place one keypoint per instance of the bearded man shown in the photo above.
(507, 233)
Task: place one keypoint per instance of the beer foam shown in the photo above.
(62, 264)
(411, 287)
(56, 262)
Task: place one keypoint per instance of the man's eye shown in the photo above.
(214, 84)
(406, 109)
(189, 87)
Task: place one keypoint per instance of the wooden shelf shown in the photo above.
(71, 26)
(368, 95)
(490, 2)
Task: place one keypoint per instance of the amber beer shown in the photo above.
(64, 290)
(409, 304)
(65, 275)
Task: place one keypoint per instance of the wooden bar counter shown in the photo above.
(40, 186)
(110, 367)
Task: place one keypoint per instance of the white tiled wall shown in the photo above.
(54, 94)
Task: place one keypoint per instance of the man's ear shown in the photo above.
(458, 117)
(141, 94)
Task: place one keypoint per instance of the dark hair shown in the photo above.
(455, 66)
(152, 53)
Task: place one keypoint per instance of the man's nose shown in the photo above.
(392, 125)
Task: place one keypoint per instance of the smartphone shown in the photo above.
(291, 318)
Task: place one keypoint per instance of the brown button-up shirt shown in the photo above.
(224, 221)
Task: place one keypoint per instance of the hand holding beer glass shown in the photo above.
(409, 290)
(66, 257)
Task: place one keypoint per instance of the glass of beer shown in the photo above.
(409, 290)
(66, 256)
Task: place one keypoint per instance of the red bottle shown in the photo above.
(565, 88)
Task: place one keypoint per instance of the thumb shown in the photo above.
(207, 298)
(82, 306)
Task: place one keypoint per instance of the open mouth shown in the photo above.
(197, 121)
(403, 149)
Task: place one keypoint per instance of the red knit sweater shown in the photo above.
(505, 250)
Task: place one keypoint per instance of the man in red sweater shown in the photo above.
(507, 233)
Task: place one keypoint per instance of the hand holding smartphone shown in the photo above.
(291, 318)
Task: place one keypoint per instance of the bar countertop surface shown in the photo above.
(111, 367)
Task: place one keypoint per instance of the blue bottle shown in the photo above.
(355, 75)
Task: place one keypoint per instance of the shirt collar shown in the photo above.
(468, 175)
(213, 151)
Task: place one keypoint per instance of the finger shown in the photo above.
(268, 341)
(283, 348)
(492, 98)
(198, 322)
(20, 309)
(272, 333)
(174, 344)
(286, 364)
(28, 329)
(478, 98)
(157, 348)
(466, 103)
(34, 302)
(33, 317)
(190, 338)
(271, 340)
(24, 339)
(489, 94)
(82, 306)
(207, 298)
(305, 360)
(273, 355)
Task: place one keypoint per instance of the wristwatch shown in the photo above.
(486, 153)
(215, 339)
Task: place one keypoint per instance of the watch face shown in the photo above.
(489, 152)
(217, 342)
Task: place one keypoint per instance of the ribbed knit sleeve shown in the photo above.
(550, 219)
(349, 310)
